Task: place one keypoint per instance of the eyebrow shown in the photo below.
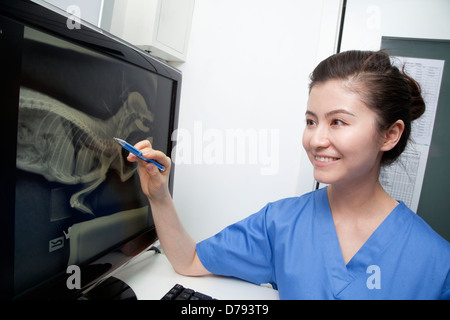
(331, 113)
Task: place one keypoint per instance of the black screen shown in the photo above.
(76, 196)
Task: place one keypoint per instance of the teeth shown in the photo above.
(325, 159)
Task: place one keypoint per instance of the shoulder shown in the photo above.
(305, 199)
(428, 252)
(423, 238)
(291, 208)
(426, 233)
(292, 202)
(422, 228)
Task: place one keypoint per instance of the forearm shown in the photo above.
(175, 241)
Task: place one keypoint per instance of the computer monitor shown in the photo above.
(68, 194)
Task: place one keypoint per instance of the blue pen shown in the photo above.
(137, 153)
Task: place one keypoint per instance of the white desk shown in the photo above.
(151, 276)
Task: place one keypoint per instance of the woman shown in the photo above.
(350, 240)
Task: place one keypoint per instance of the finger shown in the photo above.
(157, 156)
(143, 146)
(151, 169)
(148, 152)
(132, 158)
(163, 160)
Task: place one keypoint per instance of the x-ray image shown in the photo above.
(70, 109)
(65, 145)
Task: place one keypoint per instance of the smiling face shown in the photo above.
(341, 136)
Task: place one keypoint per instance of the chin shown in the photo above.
(325, 178)
(322, 180)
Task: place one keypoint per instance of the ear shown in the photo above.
(392, 135)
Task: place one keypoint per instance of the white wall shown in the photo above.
(247, 68)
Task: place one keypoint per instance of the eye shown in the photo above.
(310, 122)
(337, 122)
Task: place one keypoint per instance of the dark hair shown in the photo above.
(391, 93)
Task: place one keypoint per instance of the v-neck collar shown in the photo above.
(341, 275)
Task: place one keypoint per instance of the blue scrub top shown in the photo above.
(293, 245)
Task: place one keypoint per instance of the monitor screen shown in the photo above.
(72, 196)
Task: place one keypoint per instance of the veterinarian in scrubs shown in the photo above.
(350, 240)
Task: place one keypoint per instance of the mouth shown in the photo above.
(321, 161)
(325, 159)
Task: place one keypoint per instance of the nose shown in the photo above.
(319, 137)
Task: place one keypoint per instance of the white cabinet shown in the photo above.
(159, 26)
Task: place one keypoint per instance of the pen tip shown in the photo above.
(119, 141)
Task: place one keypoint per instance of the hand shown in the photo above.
(154, 183)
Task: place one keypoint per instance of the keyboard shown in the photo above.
(178, 292)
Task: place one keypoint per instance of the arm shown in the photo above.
(175, 241)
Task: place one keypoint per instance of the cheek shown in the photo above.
(305, 140)
(361, 148)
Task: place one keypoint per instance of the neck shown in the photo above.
(359, 201)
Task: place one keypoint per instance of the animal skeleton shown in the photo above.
(66, 145)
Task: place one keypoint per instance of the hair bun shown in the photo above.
(417, 102)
